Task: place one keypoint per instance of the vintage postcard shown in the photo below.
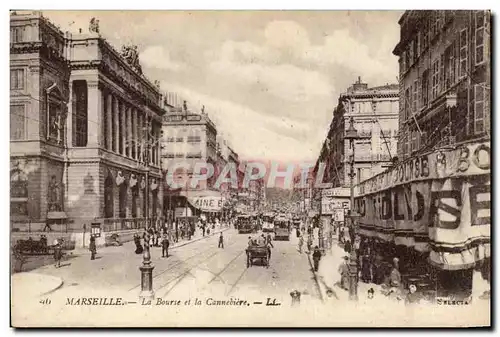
(250, 168)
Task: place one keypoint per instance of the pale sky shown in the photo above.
(269, 80)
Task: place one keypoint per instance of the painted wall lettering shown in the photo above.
(438, 204)
(480, 199)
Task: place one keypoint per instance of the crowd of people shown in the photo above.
(181, 229)
(373, 266)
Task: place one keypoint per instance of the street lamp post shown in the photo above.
(146, 268)
(351, 135)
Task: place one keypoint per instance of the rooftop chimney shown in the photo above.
(358, 86)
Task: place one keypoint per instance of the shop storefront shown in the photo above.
(208, 203)
(335, 203)
(433, 213)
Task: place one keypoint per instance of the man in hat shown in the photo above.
(164, 245)
(344, 273)
(316, 257)
(221, 241)
(58, 252)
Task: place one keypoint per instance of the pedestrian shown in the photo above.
(371, 292)
(164, 244)
(301, 243)
(316, 258)
(138, 247)
(309, 243)
(262, 240)
(412, 296)
(347, 244)
(395, 277)
(221, 241)
(57, 252)
(269, 240)
(268, 246)
(344, 274)
(92, 247)
(157, 238)
(366, 272)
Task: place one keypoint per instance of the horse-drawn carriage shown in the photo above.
(33, 247)
(258, 252)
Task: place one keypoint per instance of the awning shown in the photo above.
(205, 201)
(444, 209)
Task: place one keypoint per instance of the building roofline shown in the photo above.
(403, 17)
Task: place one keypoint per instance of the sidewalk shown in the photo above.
(328, 278)
(29, 285)
(182, 242)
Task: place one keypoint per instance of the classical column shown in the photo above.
(123, 127)
(116, 123)
(69, 117)
(149, 133)
(128, 118)
(139, 136)
(109, 116)
(94, 113)
(134, 132)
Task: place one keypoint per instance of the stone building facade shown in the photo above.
(87, 142)
(444, 78)
(39, 75)
(114, 131)
(375, 113)
(189, 138)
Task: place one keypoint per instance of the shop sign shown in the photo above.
(336, 192)
(208, 203)
(464, 160)
(330, 205)
(454, 214)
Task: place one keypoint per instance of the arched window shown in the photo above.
(108, 197)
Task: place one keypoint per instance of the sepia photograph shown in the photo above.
(250, 168)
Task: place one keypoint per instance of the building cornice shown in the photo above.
(113, 76)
